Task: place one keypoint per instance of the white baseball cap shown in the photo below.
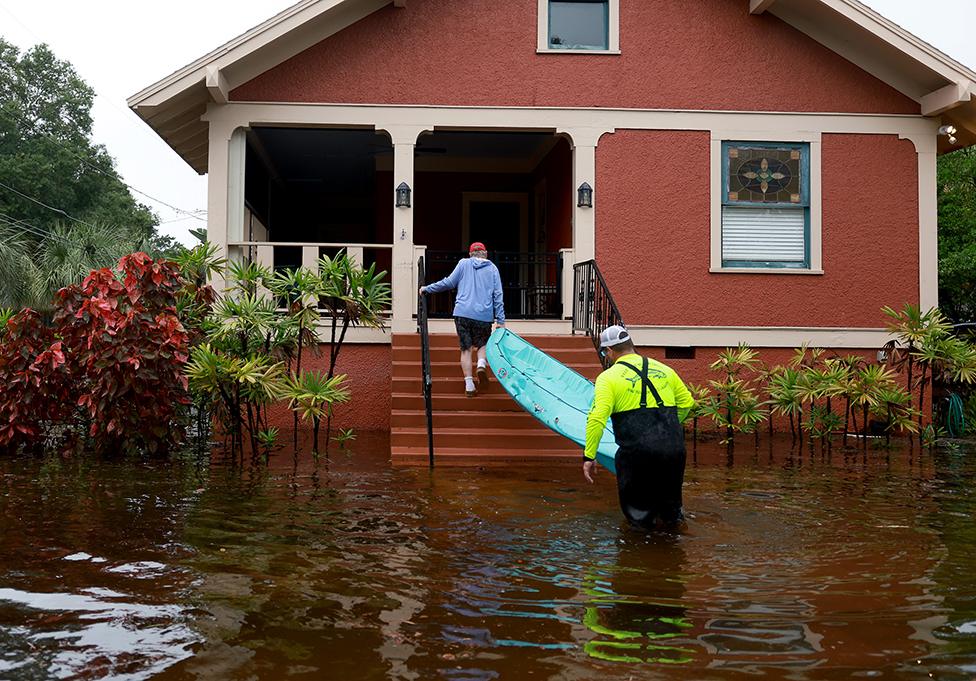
(613, 335)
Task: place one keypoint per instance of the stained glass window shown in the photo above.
(765, 174)
(765, 205)
(579, 24)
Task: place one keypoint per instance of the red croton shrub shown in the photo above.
(34, 380)
(113, 360)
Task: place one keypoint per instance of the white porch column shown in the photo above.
(928, 229)
(584, 142)
(404, 140)
(225, 189)
(928, 215)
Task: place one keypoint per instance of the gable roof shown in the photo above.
(174, 105)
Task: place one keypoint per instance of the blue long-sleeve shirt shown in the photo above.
(479, 290)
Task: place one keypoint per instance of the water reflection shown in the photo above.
(805, 566)
(636, 604)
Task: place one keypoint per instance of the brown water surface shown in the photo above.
(791, 566)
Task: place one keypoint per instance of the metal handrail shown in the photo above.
(593, 306)
(426, 379)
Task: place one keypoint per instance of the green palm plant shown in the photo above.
(198, 264)
(240, 388)
(865, 391)
(311, 395)
(734, 392)
(912, 329)
(5, 314)
(72, 251)
(298, 289)
(353, 296)
(246, 276)
(32, 271)
(784, 395)
(734, 406)
(942, 357)
(17, 268)
(894, 404)
(701, 395)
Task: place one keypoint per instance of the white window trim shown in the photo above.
(542, 45)
(816, 205)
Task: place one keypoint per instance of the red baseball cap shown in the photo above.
(477, 246)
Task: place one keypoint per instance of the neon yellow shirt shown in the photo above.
(619, 389)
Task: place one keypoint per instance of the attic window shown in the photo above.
(579, 26)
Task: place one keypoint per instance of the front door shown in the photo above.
(500, 222)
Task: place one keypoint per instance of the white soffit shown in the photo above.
(173, 106)
(874, 43)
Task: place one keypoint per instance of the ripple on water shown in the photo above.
(98, 633)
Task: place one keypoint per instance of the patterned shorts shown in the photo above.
(472, 333)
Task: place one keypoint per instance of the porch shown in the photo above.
(298, 193)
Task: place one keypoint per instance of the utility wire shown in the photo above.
(50, 208)
(30, 229)
(193, 214)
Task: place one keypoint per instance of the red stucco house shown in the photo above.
(762, 171)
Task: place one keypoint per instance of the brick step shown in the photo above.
(442, 385)
(453, 369)
(489, 440)
(449, 340)
(474, 421)
(450, 456)
(585, 355)
(440, 402)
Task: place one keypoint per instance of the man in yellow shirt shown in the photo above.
(647, 403)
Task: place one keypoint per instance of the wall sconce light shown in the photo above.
(403, 195)
(584, 196)
(950, 132)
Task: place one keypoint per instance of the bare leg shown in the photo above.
(482, 368)
(466, 363)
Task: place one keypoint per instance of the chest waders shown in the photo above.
(650, 459)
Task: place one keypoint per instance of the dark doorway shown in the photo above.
(496, 224)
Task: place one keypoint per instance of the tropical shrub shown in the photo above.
(108, 368)
(36, 383)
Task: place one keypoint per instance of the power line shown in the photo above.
(115, 176)
(51, 208)
(30, 229)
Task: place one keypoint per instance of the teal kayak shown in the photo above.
(548, 389)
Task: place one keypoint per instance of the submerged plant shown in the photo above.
(345, 435)
(311, 395)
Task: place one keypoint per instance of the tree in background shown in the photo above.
(64, 210)
(957, 234)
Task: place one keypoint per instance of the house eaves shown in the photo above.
(174, 106)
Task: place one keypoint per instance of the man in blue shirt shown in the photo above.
(478, 303)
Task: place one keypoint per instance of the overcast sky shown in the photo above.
(121, 46)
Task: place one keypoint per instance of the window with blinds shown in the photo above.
(765, 205)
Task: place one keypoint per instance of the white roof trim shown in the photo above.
(902, 39)
(243, 46)
(939, 83)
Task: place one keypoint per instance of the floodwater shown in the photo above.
(791, 566)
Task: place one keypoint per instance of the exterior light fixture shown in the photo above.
(950, 132)
(403, 195)
(584, 196)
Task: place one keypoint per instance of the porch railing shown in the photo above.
(531, 282)
(294, 254)
(593, 306)
(426, 381)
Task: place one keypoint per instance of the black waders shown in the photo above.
(651, 460)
